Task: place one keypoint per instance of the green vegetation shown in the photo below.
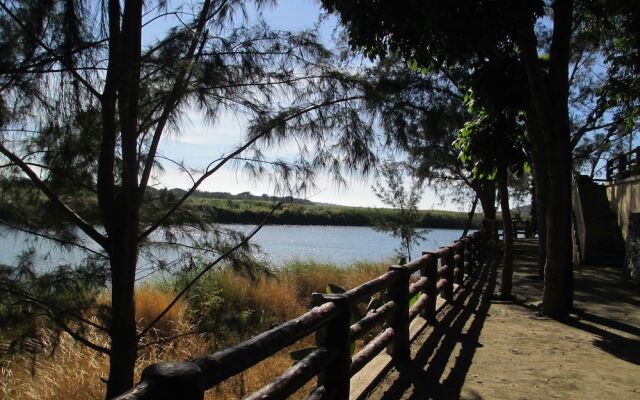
(220, 310)
(226, 208)
(252, 211)
(403, 197)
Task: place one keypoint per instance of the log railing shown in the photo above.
(522, 228)
(331, 361)
(624, 165)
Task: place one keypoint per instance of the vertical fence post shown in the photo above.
(335, 337)
(458, 262)
(429, 270)
(622, 165)
(468, 255)
(637, 171)
(399, 319)
(481, 247)
(446, 266)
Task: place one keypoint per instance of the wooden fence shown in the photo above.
(624, 165)
(495, 229)
(331, 321)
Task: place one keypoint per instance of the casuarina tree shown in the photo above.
(84, 106)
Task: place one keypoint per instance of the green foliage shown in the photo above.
(59, 299)
(493, 140)
(435, 32)
(404, 199)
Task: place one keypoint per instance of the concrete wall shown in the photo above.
(624, 198)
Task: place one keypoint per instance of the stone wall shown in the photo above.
(632, 256)
(624, 199)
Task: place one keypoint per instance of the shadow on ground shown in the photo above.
(461, 323)
(604, 301)
(605, 306)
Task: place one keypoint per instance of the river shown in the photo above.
(279, 244)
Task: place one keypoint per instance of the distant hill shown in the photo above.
(228, 196)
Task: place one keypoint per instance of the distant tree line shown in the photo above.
(177, 193)
(250, 212)
(241, 208)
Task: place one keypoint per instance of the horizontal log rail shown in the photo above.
(332, 361)
(524, 228)
(624, 165)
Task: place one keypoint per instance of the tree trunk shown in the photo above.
(540, 168)
(470, 218)
(486, 191)
(407, 244)
(558, 294)
(507, 261)
(549, 94)
(123, 324)
(125, 221)
(541, 219)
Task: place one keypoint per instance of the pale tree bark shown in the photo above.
(472, 212)
(507, 261)
(486, 191)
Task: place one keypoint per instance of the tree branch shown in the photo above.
(233, 155)
(207, 268)
(53, 238)
(49, 307)
(172, 100)
(72, 70)
(77, 219)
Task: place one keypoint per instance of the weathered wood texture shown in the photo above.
(399, 318)
(335, 337)
(295, 377)
(331, 321)
(372, 319)
(430, 271)
(372, 349)
(226, 363)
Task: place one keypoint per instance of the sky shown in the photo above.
(198, 143)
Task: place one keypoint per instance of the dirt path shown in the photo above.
(506, 351)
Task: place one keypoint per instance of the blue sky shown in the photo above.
(199, 143)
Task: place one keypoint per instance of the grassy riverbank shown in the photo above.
(252, 211)
(243, 208)
(221, 310)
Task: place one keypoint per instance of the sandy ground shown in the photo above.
(497, 350)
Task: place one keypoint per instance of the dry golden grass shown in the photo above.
(310, 278)
(269, 296)
(72, 371)
(363, 272)
(75, 372)
(150, 302)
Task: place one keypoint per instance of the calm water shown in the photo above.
(338, 244)
(279, 243)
